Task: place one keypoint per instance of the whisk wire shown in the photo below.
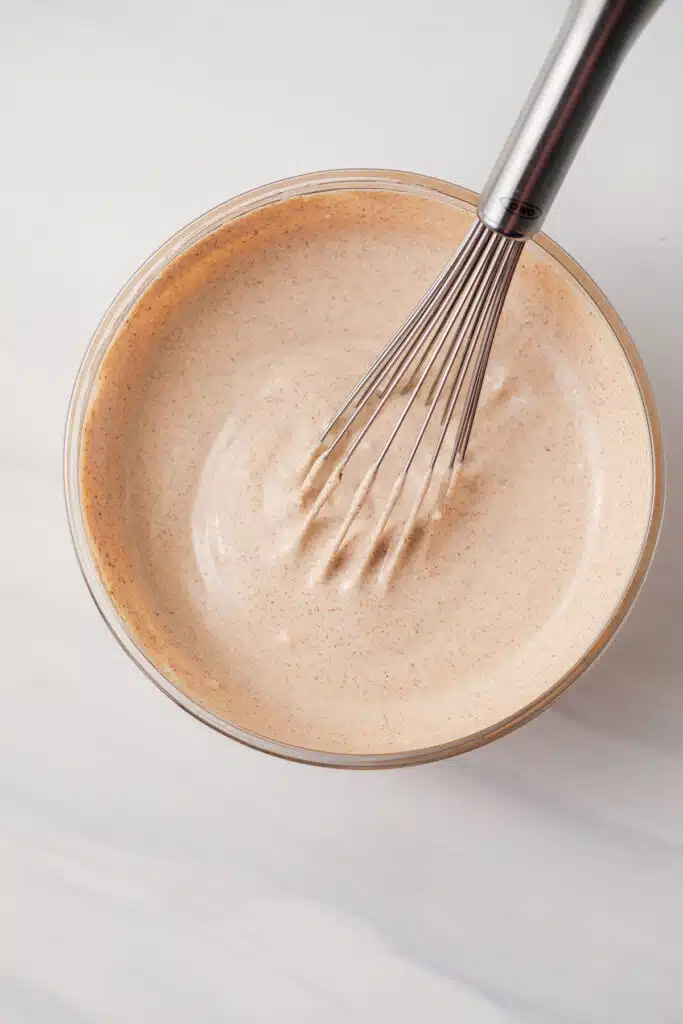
(455, 323)
(459, 303)
(405, 338)
(480, 315)
(512, 251)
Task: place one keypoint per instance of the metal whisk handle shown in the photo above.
(587, 53)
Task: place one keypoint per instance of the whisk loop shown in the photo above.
(444, 343)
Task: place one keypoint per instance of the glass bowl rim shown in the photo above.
(104, 335)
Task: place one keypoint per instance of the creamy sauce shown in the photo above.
(210, 398)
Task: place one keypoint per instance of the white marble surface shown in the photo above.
(151, 870)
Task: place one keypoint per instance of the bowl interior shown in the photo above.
(607, 566)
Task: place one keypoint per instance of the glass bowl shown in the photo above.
(104, 336)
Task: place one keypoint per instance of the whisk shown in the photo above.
(441, 351)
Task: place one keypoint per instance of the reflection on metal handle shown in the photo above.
(593, 41)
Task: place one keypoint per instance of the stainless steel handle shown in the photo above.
(587, 53)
